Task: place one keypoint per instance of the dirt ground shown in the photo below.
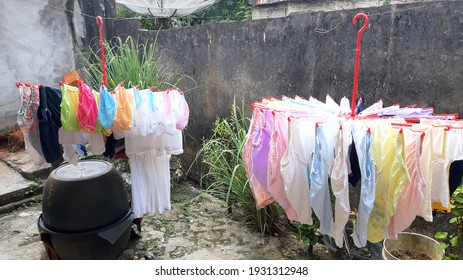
(196, 228)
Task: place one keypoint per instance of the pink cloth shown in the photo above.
(278, 144)
(186, 114)
(412, 197)
(87, 111)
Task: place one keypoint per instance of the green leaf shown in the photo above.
(452, 256)
(454, 241)
(457, 212)
(442, 246)
(441, 235)
(459, 199)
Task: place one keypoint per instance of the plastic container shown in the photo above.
(412, 246)
(86, 213)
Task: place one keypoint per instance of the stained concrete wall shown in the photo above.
(282, 8)
(410, 54)
(39, 41)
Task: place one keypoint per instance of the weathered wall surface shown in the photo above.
(282, 8)
(409, 55)
(39, 41)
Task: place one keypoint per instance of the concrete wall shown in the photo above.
(410, 54)
(281, 8)
(39, 40)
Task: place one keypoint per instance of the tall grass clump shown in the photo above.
(225, 176)
(130, 62)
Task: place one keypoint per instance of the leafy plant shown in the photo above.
(146, 22)
(453, 242)
(33, 186)
(308, 234)
(225, 174)
(220, 11)
(130, 62)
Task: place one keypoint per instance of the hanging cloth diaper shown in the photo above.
(87, 111)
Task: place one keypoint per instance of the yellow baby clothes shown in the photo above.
(69, 107)
(391, 178)
(125, 106)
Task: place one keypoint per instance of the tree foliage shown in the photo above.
(220, 11)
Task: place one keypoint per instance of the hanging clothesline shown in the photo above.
(57, 123)
(81, 109)
(300, 151)
(296, 146)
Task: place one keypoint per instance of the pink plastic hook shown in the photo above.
(357, 59)
(99, 21)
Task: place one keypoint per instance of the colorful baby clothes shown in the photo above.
(69, 108)
(323, 157)
(48, 116)
(87, 109)
(391, 177)
(295, 164)
(106, 109)
(124, 109)
(28, 122)
(278, 145)
(340, 182)
(261, 148)
(411, 200)
(363, 140)
(261, 195)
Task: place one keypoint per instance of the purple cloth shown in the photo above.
(261, 148)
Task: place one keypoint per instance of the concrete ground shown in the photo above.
(196, 228)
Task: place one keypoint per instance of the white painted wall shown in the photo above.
(36, 46)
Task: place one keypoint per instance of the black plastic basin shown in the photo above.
(84, 198)
(86, 213)
(102, 244)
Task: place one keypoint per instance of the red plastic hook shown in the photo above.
(99, 21)
(357, 59)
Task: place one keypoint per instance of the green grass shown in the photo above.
(130, 62)
(225, 176)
